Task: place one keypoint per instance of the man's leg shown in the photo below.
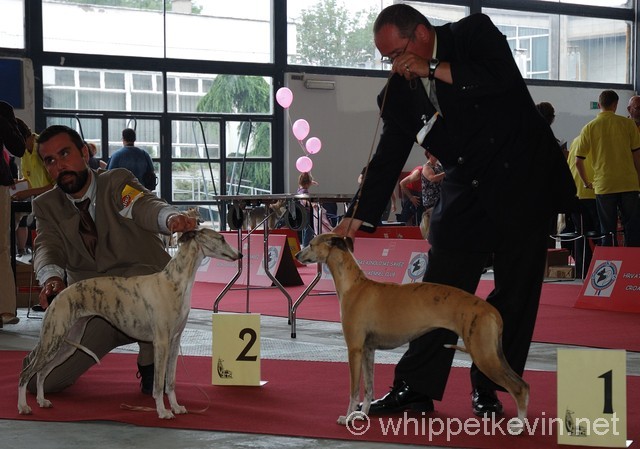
(630, 212)
(518, 275)
(100, 337)
(608, 215)
(426, 365)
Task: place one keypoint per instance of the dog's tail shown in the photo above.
(83, 349)
(459, 348)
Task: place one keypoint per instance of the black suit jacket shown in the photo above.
(505, 173)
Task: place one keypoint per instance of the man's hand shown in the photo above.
(347, 227)
(51, 287)
(181, 223)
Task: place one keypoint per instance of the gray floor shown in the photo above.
(315, 341)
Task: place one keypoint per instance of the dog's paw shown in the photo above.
(45, 403)
(165, 414)
(24, 410)
(342, 420)
(179, 410)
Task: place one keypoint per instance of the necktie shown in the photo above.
(87, 227)
(432, 96)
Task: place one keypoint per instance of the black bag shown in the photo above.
(150, 180)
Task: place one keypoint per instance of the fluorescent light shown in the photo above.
(320, 84)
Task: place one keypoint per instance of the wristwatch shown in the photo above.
(433, 65)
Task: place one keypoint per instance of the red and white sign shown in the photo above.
(222, 271)
(613, 281)
(401, 261)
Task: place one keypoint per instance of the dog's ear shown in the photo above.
(349, 243)
(342, 243)
(186, 236)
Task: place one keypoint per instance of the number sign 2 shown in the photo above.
(592, 397)
(236, 349)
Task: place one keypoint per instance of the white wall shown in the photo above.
(345, 120)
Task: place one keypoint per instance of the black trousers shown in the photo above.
(518, 274)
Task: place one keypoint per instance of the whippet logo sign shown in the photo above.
(613, 280)
(603, 278)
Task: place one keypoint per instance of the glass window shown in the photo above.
(248, 178)
(89, 79)
(74, 88)
(567, 48)
(12, 30)
(609, 3)
(350, 42)
(191, 181)
(195, 140)
(250, 139)
(222, 31)
(112, 29)
(88, 128)
(147, 134)
(114, 80)
(210, 93)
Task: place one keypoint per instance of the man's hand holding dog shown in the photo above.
(348, 227)
(181, 223)
(52, 287)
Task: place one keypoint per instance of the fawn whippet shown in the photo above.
(152, 308)
(378, 315)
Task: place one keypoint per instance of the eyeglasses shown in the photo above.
(389, 59)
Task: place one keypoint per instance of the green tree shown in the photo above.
(329, 36)
(238, 94)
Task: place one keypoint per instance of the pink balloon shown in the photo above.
(304, 164)
(313, 145)
(284, 97)
(300, 129)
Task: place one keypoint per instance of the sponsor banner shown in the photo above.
(401, 261)
(253, 265)
(613, 280)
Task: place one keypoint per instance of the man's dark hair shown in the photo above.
(54, 130)
(128, 135)
(608, 98)
(547, 111)
(404, 17)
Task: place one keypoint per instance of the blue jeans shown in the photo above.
(628, 203)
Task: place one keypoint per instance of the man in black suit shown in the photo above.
(505, 179)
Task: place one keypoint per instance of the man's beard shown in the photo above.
(75, 183)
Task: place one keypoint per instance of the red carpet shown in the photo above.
(300, 399)
(558, 321)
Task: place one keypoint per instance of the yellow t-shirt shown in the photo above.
(608, 140)
(583, 192)
(33, 168)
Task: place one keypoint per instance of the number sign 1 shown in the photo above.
(236, 349)
(592, 397)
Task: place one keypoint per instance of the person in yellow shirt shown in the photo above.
(612, 142)
(35, 173)
(586, 219)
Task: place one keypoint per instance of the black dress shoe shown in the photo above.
(399, 399)
(485, 402)
(145, 374)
